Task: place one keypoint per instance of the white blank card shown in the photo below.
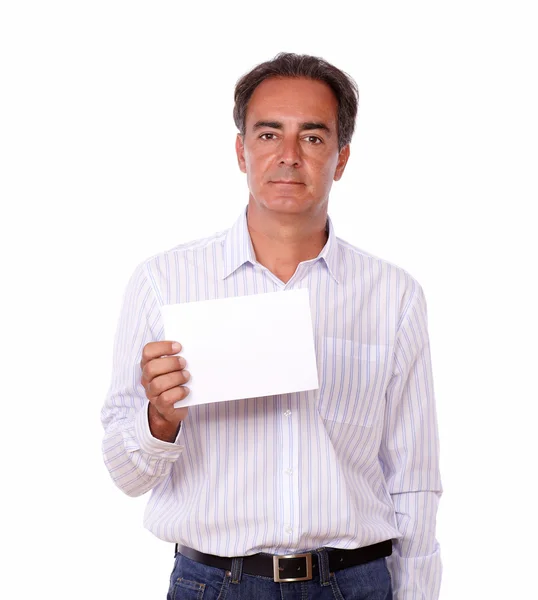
(246, 346)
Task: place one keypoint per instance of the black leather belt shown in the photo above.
(292, 567)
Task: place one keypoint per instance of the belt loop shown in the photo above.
(237, 569)
(323, 559)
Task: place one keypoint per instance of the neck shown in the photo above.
(281, 240)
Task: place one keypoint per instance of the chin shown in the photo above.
(285, 203)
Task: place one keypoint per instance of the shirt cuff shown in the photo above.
(152, 445)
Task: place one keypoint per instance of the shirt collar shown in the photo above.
(238, 248)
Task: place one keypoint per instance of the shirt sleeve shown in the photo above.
(136, 460)
(409, 456)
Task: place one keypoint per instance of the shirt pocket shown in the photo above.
(352, 381)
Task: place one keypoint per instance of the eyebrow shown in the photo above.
(307, 126)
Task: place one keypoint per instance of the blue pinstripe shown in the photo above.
(367, 467)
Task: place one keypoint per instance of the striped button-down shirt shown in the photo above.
(348, 465)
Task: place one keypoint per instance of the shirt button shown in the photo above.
(288, 529)
(287, 413)
(288, 471)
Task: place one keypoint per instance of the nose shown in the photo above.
(290, 153)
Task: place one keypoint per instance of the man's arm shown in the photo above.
(409, 456)
(136, 460)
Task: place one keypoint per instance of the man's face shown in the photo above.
(290, 147)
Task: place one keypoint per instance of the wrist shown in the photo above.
(161, 428)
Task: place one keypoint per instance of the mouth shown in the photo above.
(284, 182)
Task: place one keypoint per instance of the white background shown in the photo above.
(116, 141)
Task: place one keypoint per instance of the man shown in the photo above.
(341, 476)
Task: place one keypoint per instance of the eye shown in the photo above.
(314, 139)
(263, 136)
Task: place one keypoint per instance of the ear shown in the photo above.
(240, 151)
(342, 162)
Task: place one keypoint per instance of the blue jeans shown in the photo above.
(191, 580)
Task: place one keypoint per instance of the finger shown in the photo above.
(157, 349)
(164, 403)
(163, 383)
(160, 366)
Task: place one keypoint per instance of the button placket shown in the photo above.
(290, 479)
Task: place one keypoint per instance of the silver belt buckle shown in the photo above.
(276, 568)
